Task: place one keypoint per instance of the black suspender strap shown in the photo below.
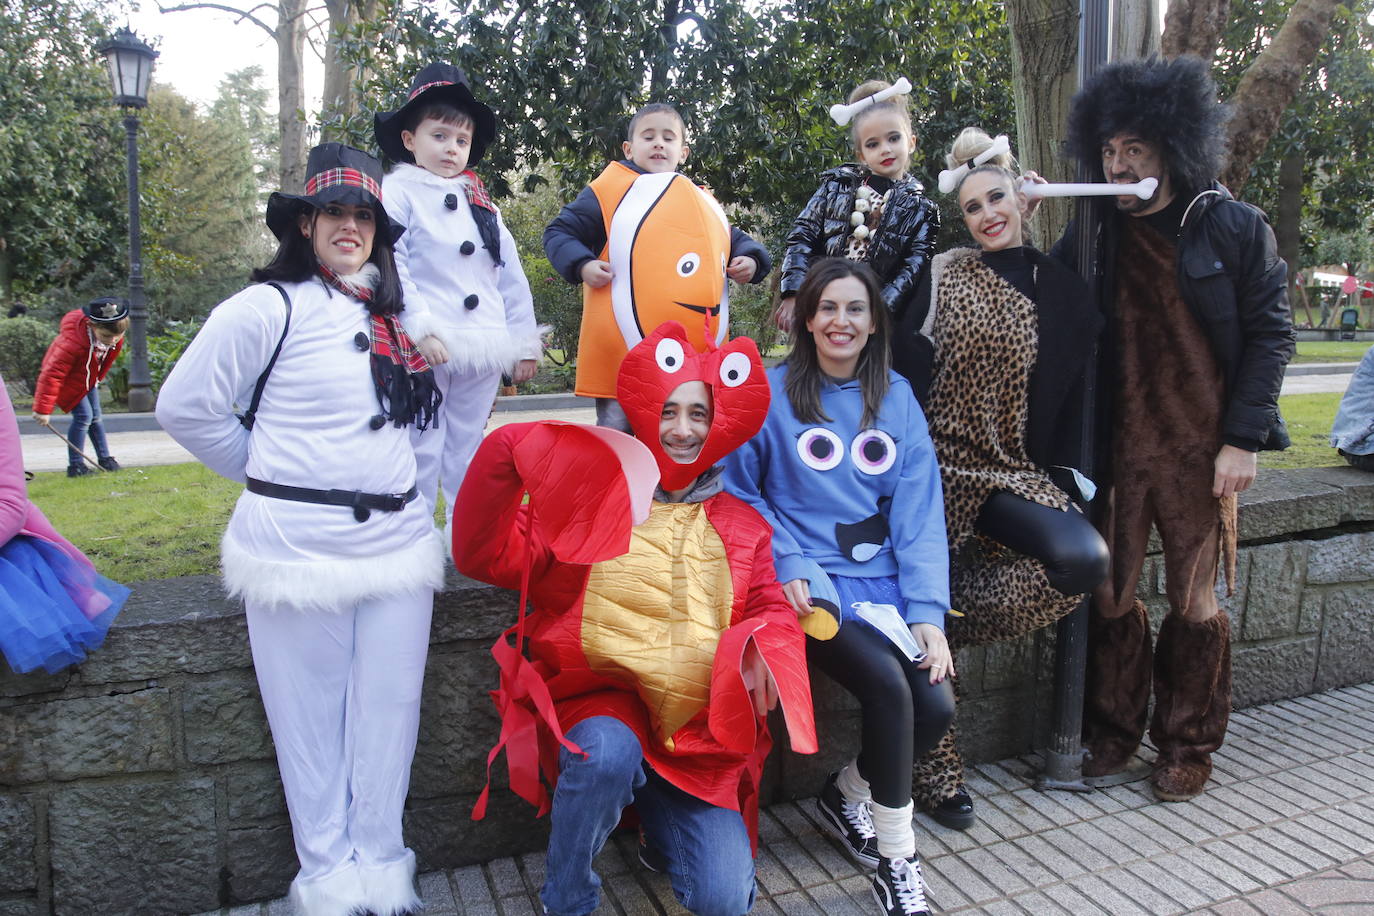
(249, 416)
(360, 502)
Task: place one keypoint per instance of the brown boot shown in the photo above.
(1192, 703)
(1118, 689)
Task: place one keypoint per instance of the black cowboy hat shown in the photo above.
(338, 174)
(436, 83)
(106, 308)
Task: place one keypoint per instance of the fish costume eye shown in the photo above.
(734, 369)
(873, 451)
(688, 264)
(669, 355)
(820, 449)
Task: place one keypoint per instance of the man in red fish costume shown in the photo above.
(659, 637)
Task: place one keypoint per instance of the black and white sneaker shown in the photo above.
(899, 888)
(850, 821)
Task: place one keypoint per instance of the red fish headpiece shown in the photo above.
(733, 373)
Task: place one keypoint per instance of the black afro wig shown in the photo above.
(1172, 104)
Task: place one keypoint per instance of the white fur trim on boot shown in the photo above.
(390, 888)
(331, 585)
(339, 893)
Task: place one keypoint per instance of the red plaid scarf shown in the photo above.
(403, 378)
(483, 214)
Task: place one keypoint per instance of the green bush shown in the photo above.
(163, 352)
(558, 304)
(23, 341)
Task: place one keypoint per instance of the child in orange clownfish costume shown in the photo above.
(649, 246)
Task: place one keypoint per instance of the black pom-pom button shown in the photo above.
(361, 513)
(451, 201)
(360, 341)
(377, 421)
(467, 247)
(470, 302)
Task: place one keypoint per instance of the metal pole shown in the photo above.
(1064, 756)
(140, 380)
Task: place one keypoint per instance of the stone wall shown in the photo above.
(143, 781)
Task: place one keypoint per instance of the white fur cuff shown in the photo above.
(390, 888)
(339, 893)
(331, 585)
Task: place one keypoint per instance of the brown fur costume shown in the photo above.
(1169, 403)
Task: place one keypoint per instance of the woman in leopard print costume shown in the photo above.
(996, 344)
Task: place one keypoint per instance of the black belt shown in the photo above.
(360, 502)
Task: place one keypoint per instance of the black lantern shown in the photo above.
(131, 65)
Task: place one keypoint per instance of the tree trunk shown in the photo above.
(6, 276)
(337, 99)
(1288, 219)
(1270, 84)
(1044, 58)
(291, 94)
(1194, 27)
(1135, 29)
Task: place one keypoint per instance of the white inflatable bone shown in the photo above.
(843, 114)
(1142, 189)
(950, 178)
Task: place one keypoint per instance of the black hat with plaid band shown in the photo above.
(436, 83)
(106, 308)
(339, 174)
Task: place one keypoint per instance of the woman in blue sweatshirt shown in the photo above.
(844, 442)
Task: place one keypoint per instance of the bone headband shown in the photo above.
(843, 114)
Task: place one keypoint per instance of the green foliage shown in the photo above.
(61, 147)
(753, 81)
(23, 341)
(1309, 418)
(163, 352)
(1330, 123)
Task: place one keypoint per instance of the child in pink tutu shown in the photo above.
(54, 606)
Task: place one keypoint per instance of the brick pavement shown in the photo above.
(1286, 827)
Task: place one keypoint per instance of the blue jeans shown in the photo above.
(86, 415)
(710, 863)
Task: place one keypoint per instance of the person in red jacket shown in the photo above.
(86, 347)
(656, 648)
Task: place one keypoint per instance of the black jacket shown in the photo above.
(898, 251)
(578, 233)
(1231, 277)
(1067, 326)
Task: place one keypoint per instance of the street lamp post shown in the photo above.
(131, 65)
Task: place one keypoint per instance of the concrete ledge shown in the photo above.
(144, 780)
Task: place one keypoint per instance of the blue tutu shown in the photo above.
(877, 589)
(44, 599)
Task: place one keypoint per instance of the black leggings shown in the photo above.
(903, 713)
(1074, 554)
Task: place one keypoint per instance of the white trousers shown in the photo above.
(342, 693)
(443, 453)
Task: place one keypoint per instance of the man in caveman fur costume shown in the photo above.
(1198, 334)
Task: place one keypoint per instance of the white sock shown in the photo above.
(852, 786)
(896, 839)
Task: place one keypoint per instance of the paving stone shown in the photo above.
(1273, 903)
(1178, 819)
(1178, 867)
(1239, 852)
(1108, 895)
(1024, 866)
(1213, 803)
(1234, 908)
(996, 813)
(801, 866)
(1102, 844)
(437, 894)
(636, 899)
(1337, 824)
(1037, 903)
(958, 875)
(1139, 833)
(505, 877)
(773, 878)
(1067, 897)
(990, 869)
(833, 901)
(1323, 841)
(836, 863)
(1048, 806)
(1164, 892)
(1312, 859)
(473, 892)
(1203, 858)
(1284, 865)
(1051, 857)
(1245, 801)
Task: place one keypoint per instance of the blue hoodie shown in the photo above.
(853, 503)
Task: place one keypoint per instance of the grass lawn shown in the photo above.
(159, 522)
(1330, 351)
